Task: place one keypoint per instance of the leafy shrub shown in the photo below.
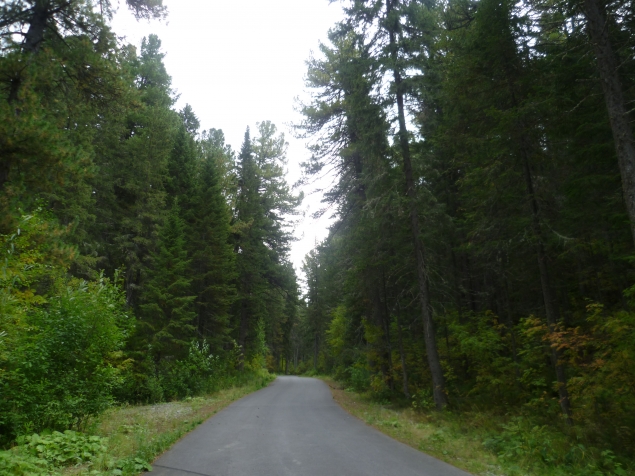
(525, 444)
(522, 440)
(359, 378)
(194, 375)
(44, 454)
(17, 463)
(423, 399)
(200, 372)
(64, 449)
(129, 466)
(60, 371)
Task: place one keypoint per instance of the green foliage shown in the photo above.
(359, 377)
(64, 449)
(18, 463)
(523, 444)
(199, 373)
(213, 265)
(266, 282)
(48, 453)
(100, 173)
(422, 400)
(62, 369)
(520, 439)
(524, 229)
(167, 307)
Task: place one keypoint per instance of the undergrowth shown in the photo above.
(124, 440)
(485, 443)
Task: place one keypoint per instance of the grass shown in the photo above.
(137, 435)
(481, 443)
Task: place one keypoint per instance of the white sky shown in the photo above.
(240, 62)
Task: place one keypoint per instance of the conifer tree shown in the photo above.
(167, 309)
(132, 160)
(263, 204)
(213, 261)
(251, 255)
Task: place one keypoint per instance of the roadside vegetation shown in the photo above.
(478, 157)
(142, 260)
(483, 443)
(124, 440)
(481, 259)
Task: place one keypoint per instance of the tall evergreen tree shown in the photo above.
(168, 316)
(213, 260)
(251, 258)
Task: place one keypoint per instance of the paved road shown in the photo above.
(293, 427)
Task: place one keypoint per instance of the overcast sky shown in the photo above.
(241, 62)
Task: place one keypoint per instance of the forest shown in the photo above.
(143, 260)
(477, 158)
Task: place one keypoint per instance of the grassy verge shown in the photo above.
(139, 434)
(124, 440)
(482, 443)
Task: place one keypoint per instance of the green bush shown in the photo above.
(200, 372)
(194, 375)
(44, 454)
(17, 463)
(64, 449)
(520, 439)
(61, 369)
(359, 378)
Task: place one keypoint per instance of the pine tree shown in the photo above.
(168, 316)
(132, 159)
(263, 205)
(213, 261)
(251, 255)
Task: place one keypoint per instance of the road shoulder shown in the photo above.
(417, 430)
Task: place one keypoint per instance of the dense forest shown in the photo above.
(479, 162)
(142, 259)
(480, 156)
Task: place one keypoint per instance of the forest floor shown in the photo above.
(462, 439)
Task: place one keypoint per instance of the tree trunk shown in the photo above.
(242, 336)
(434, 363)
(615, 104)
(4, 174)
(40, 15)
(384, 315)
(546, 289)
(404, 372)
(510, 329)
(315, 351)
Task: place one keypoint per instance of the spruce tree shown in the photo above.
(167, 309)
(213, 261)
(251, 255)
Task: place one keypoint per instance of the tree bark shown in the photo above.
(434, 363)
(618, 116)
(4, 174)
(242, 336)
(385, 322)
(546, 290)
(402, 354)
(315, 351)
(41, 12)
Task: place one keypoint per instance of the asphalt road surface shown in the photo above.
(293, 427)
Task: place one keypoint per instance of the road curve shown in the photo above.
(293, 427)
